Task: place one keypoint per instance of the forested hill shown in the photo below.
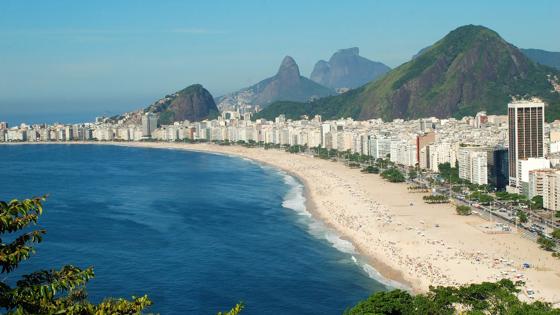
(471, 69)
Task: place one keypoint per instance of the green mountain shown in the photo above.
(547, 58)
(287, 85)
(469, 70)
(193, 103)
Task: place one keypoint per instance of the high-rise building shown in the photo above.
(473, 164)
(523, 169)
(498, 167)
(149, 124)
(526, 135)
(422, 141)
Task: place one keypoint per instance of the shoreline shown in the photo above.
(386, 275)
(416, 246)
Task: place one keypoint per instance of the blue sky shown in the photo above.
(73, 60)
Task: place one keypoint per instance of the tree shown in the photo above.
(481, 197)
(391, 302)
(457, 188)
(463, 210)
(556, 234)
(371, 170)
(503, 195)
(393, 175)
(448, 173)
(536, 202)
(46, 291)
(545, 243)
(436, 199)
(484, 298)
(522, 216)
(50, 291)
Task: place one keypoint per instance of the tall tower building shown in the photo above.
(149, 124)
(526, 135)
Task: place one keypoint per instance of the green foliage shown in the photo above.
(463, 210)
(361, 158)
(193, 103)
(393, 175)
(546, 243)
(15, 216)
(485, 298)
(296, 148)
(556, 234)
(436, 199)
(234, 311)
(46, 291)
(330, 107)
(499, 70)
(448, 173)
(166, 118)
(412, 174)
(481, 197)
(292, 110)
(457, 188)
(505, 196)
(557, 214)
(391, 302)
(371, 169)
(522, 216)
(537, 202)
(324, 153)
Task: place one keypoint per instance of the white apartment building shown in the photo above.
(523, 169)
(403, 152)
(473, 165)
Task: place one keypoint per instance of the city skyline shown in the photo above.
(83, 60)
(324, 157)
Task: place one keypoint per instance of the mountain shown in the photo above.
(547, 58)
(286, 85)
(193, 103)
(471, 69)
(347, 69)
(420, 52)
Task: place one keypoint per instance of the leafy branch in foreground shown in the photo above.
(234, 311)
(485, 298)
(46, 291)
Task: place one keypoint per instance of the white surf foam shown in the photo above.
(295, 200)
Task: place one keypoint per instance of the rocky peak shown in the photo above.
(347, 69)
(354, 51)
(288, 69)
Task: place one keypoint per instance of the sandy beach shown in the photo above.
(418, 245)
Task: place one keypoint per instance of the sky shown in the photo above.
(70, 61)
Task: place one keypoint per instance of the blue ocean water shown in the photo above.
(196, 232)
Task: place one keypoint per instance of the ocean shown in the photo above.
(196, 232)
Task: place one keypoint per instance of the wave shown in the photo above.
(295, 200)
